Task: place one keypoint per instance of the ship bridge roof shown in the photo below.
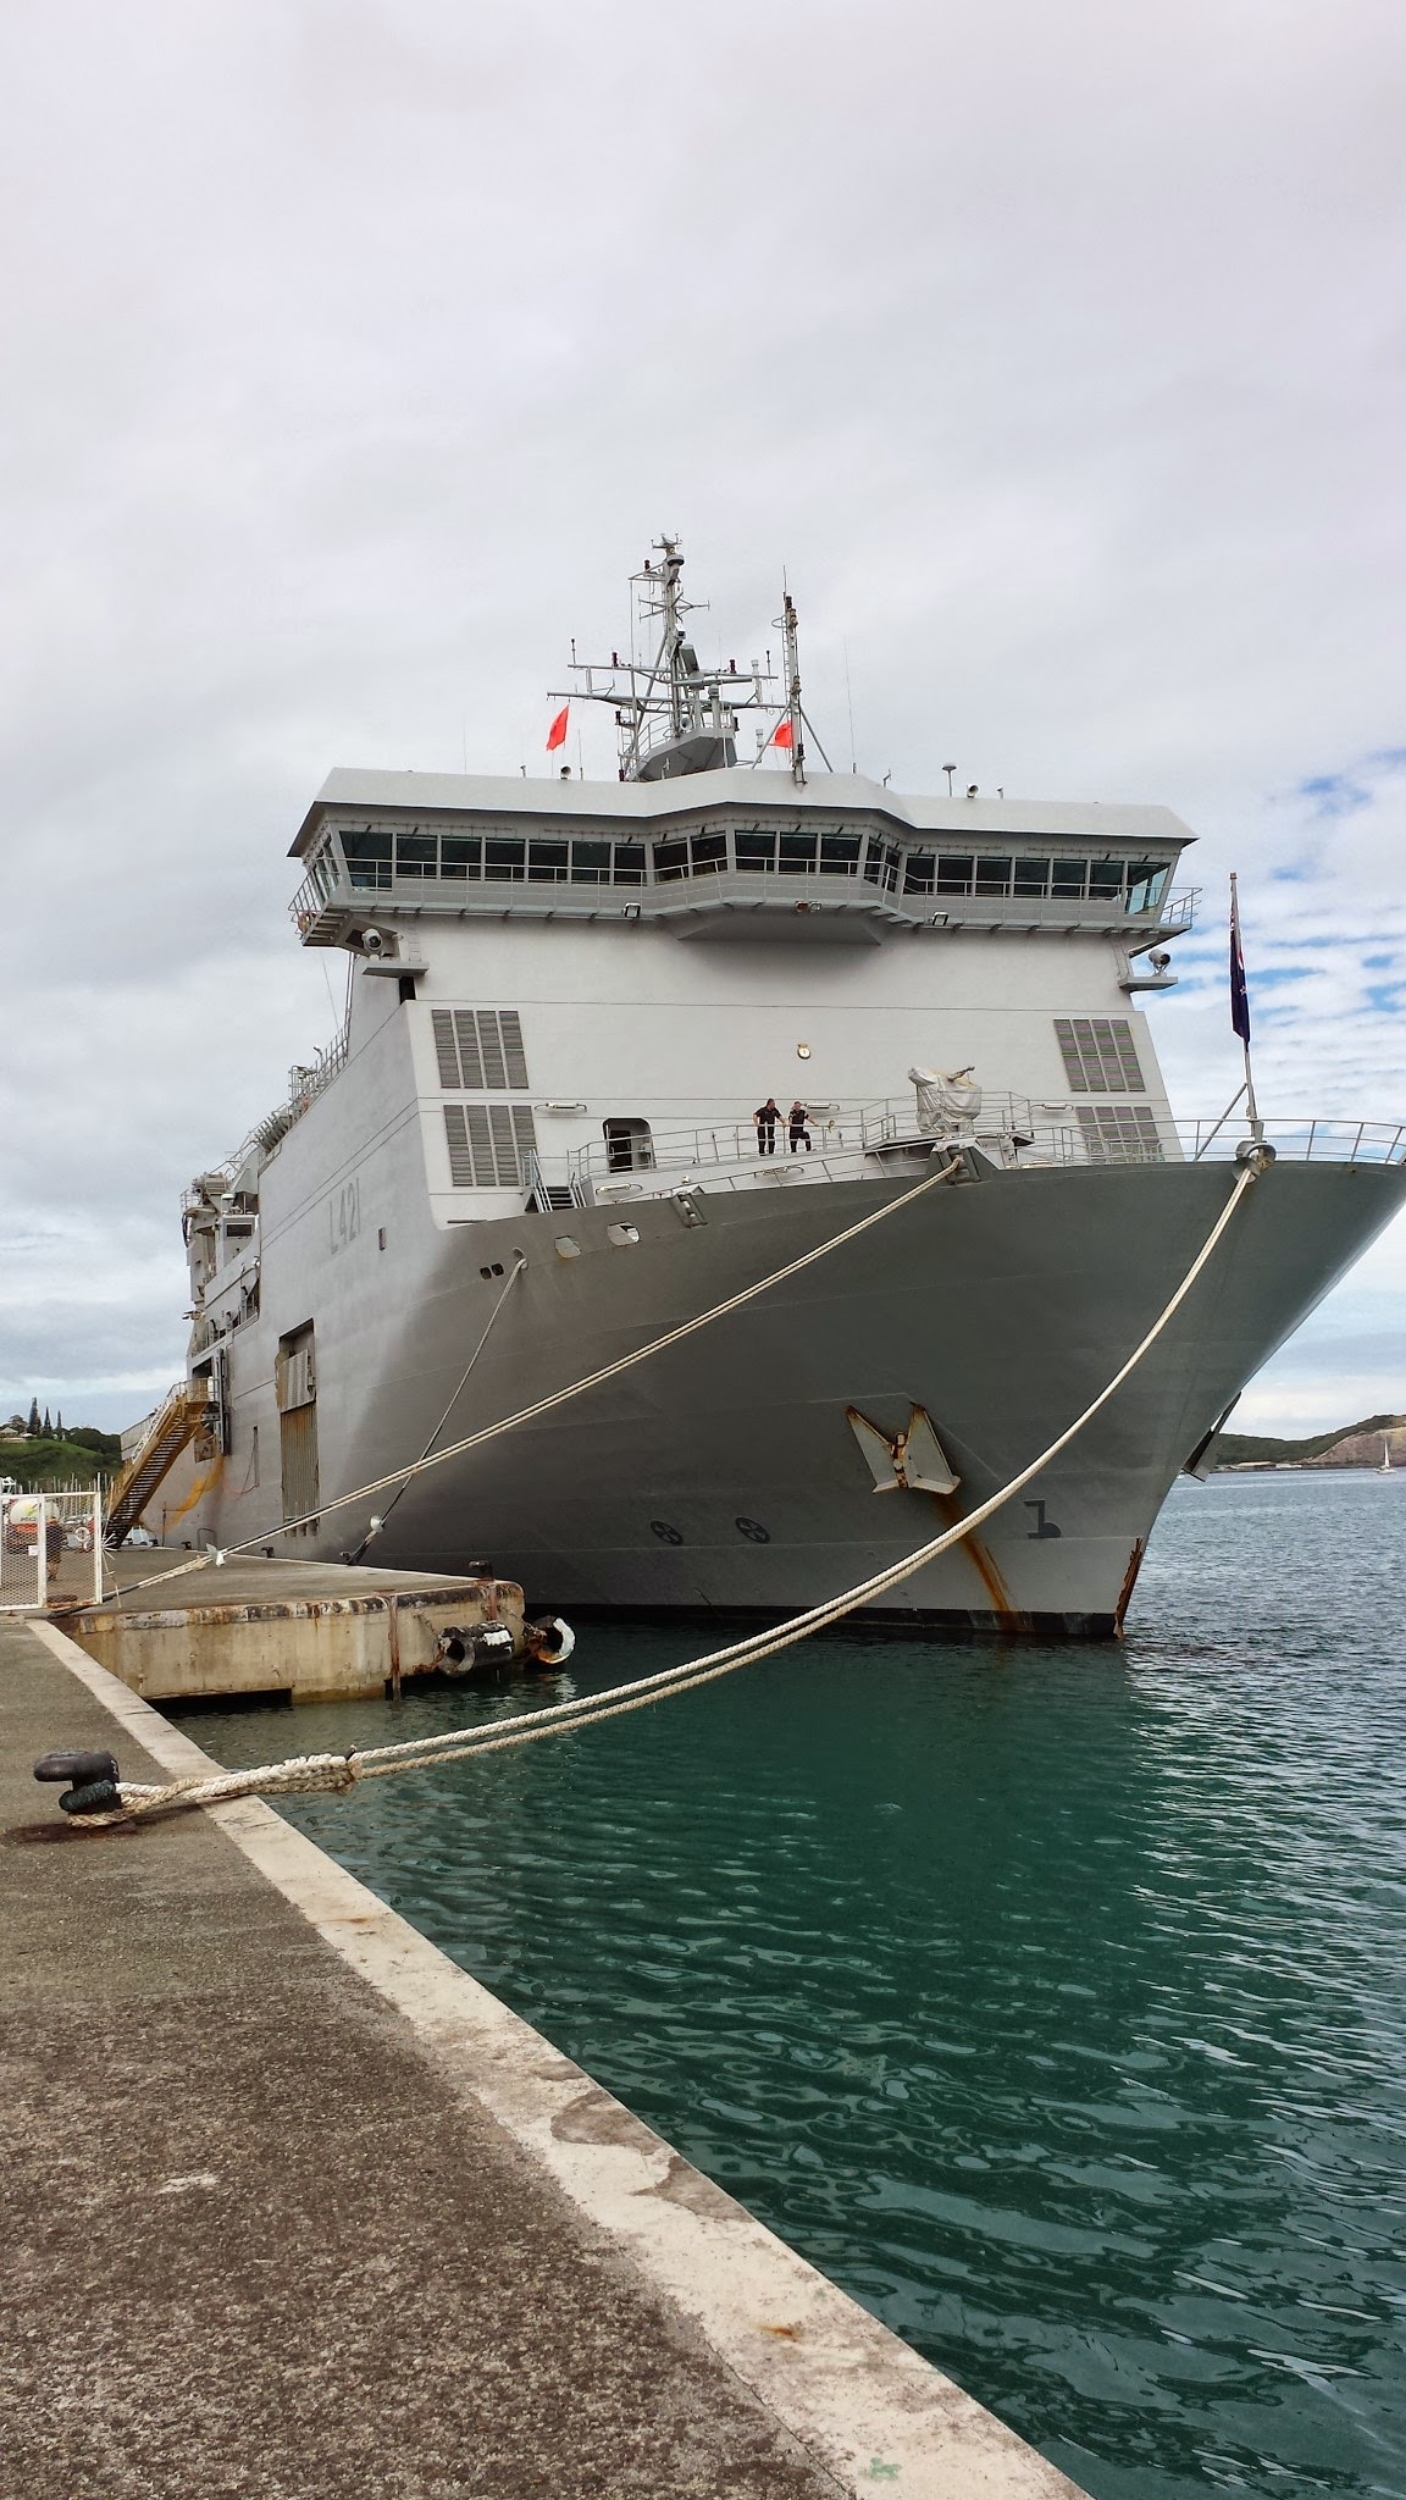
(654, 803)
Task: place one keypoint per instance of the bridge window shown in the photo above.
(1032, 876)
(955, 870)
(756, 849)
(670, 861)
(547, 862)
(707, 853)
(796, 851)
(460, 855)
(1068, 878)
(881, 863)
(368, 858)
(590, 863)
(920, 868)
(839, 854)
(1105, 879)
(1147, 883)
(993, 873)
(504, 858)
(416, 855)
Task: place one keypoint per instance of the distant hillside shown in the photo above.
(1349, 1445)
(38, 1465)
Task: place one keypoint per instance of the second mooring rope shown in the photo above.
(307, 1772)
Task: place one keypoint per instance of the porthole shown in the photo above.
(565, 1247)
(666, 1534)
(622, 1235)
(753, 1531)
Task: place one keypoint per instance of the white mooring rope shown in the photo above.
(307, 1772)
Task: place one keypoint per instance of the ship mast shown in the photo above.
(672, 715)
(790, 729)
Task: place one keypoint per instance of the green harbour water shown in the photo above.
(1052, 2000)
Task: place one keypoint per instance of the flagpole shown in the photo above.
(1240, 1010)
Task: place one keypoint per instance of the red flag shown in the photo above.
(784, 734)
(556, 735)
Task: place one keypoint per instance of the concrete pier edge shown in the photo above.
(860, 2403)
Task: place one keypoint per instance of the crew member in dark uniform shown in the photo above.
(765, 1122)
(797, 1127)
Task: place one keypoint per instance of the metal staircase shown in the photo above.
(176, 1421)
(544, 1197)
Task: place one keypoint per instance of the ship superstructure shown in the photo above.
(569, 1000)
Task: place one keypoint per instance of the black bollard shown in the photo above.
(76, 1768)
(91, 1780)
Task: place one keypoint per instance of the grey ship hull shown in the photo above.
(723, 1477)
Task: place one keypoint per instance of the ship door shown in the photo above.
(628, 1146)
(295, 1379)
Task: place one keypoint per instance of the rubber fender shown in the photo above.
(492, 1641)
(76, 1769)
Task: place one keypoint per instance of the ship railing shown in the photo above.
(1178, 913)
(1100, 1132)
(1013, 1131)
(856, 1129)
(1023, 1133)
(316, 896)
(1302, 1140)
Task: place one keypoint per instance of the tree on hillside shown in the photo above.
(48, 1429)
(33, 1427)
(16, 1424)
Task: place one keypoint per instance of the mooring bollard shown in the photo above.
(92, 1780)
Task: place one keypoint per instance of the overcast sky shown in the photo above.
(356, 352)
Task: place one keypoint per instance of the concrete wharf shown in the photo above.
(310, 1631)
(292, 2206)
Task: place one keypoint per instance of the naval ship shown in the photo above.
(568, 1002)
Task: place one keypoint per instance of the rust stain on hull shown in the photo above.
(1129, 1582)
(950, 1512)
(203, 1484)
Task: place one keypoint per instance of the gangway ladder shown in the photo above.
(175, 1423)
(544, 1197)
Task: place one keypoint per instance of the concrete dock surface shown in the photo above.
(293, 2208)
(177, 1628)
(245, 1579)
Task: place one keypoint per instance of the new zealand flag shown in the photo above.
(1239, 995)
